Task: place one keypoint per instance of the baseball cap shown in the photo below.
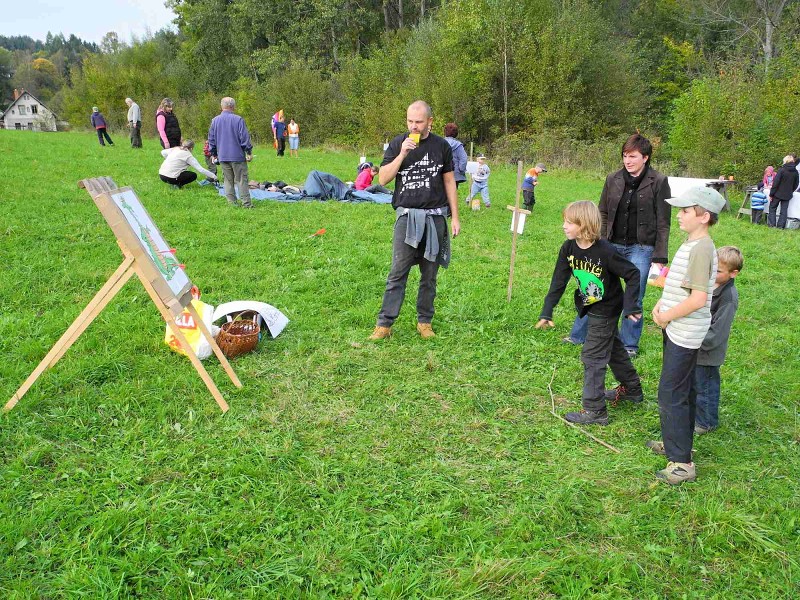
(540, 166)
(481, 155)
(705, 197)
(95, 109)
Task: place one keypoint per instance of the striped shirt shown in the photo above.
(694, 267)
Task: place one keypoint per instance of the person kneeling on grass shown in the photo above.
(366, 172)
(175, 168)
(597, 268)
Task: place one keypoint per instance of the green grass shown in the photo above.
(351, 469)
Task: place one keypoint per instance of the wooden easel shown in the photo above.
(136, 261)
(517, 211)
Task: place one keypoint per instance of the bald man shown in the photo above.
(421, 165)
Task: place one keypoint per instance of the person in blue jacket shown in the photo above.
(99, 123)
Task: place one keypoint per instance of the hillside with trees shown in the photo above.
(715, 83)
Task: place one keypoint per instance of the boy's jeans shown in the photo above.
(630, 332)
(483, 188)
(707, 383)
(677, 400)
(603, 348)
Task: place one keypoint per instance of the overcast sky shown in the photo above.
(90, 20)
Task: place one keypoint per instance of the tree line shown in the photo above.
(714, 83)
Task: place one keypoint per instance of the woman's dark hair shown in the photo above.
(638, 142)
(451, 130)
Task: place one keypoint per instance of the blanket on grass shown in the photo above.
(318, 186)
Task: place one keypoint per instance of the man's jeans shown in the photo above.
(136, 135)
(603, 348)
(677, 400)
(630, 332)
(236, 173)
(707, 384)
(403, 258)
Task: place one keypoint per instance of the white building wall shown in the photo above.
(28, 113)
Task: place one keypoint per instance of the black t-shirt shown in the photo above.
(597, 271)
(420, 182)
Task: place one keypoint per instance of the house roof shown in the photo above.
(22, 93)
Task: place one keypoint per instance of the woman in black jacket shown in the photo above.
(169, 130)
(783, 186)
(636, 220)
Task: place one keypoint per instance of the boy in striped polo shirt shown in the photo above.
(684, 313)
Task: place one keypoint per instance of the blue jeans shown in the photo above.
(481, 187)
(630, 332)
(707, 384)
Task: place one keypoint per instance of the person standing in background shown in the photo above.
(636, 220)
(169, 130)
(459, 153)
(280, 135)
(99, 123)
(134, 123)
(294, 137)
(230, 145)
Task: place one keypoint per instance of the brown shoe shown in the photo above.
(677, 473)
(425, 331)
(380, 333)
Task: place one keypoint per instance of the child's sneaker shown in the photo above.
(676, 473)
(488, 205)
(618, 394)
(588, 417)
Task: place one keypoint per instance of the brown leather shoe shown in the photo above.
(425, 331)
(380, 333)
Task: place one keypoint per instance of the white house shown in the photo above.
(27, 112)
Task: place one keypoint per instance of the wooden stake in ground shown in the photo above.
(557, 416)
(516, 211)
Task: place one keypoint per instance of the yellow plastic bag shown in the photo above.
(191, 330)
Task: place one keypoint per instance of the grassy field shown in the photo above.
(400, 469)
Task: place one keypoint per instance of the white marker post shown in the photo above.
(515, 228)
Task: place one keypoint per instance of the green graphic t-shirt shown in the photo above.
(597, 270)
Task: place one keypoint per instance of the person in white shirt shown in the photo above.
(175, 168)
(134, 123)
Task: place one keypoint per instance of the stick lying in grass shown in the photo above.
(583, 431)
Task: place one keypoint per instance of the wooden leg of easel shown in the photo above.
(184, 344)
(217, 351)
(79, 325)
(90, 313)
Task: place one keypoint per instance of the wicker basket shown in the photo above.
(238, 337)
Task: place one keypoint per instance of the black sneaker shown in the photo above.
(588, 417)
(620, 393)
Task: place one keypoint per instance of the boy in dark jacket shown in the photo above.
(597, 268)
(724, 303)
(99, 123)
